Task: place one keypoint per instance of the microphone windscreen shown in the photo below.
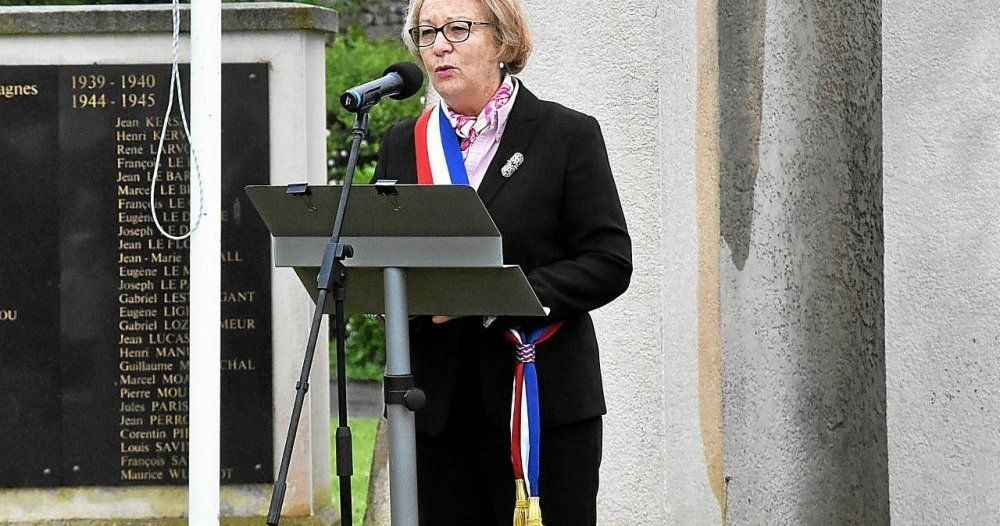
(413, 78)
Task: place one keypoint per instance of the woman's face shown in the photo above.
(465, 73)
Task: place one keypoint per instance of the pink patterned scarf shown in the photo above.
(471, 128)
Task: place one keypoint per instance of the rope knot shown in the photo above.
(526, 353)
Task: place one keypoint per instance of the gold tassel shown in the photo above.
(520, 503)
(534, 512)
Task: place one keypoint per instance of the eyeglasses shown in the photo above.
(454, 32)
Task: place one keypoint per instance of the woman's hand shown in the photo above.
(442, 319)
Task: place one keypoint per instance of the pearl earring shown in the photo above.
(501, 65)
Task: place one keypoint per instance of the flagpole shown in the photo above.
(205, 264)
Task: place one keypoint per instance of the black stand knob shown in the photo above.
(400, 389)
(414, 399)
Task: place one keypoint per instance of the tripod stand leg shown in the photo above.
(301, 388)
(401, 433)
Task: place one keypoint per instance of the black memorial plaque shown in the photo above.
(94, 301)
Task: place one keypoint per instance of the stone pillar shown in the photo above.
(799, 148)
(633, 65)
(942, 260)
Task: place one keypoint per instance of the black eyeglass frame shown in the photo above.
(414, 35)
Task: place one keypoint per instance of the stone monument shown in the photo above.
(93, 336)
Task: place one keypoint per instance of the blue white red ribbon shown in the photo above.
(525, 417)
(439, 158)
(439, 161)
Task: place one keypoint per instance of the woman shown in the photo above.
(543, 173)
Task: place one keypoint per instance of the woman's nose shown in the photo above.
(441, 44)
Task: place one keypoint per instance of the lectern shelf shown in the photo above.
(441, 235)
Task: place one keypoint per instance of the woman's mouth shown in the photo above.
(444, 71)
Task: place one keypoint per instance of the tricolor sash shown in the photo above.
(439, 158)
(439, 161)
(525, 425)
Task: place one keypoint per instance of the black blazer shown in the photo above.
(562, 222)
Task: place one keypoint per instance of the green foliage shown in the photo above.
(351, 60)
(363, 432)
(364, 349)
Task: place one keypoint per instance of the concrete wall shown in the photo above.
(632, 64)
(746, 142)
(800, 260)
(942, 260)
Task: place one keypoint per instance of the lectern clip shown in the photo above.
(301, 190)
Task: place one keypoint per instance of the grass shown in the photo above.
(363, 434)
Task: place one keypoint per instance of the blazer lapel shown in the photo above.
(516, 139)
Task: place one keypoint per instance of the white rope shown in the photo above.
(175, 83)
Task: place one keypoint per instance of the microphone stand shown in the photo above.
(331, 282)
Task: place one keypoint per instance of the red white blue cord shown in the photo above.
(525, 418)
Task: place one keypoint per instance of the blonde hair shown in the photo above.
(510, 31)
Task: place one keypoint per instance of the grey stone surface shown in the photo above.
(380, 18)
(801, 262)
(942, 259)
(632, 65)
(377, 507)
(157, 18)
(364, 399)
(741, 82)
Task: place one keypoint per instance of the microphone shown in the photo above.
(398, 81)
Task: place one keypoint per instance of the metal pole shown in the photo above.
(401, 433)
(205, 264)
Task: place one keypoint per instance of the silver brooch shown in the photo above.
(512, 165)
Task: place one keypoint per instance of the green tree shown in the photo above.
(351, 60)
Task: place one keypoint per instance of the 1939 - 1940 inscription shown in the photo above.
(94, 300)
